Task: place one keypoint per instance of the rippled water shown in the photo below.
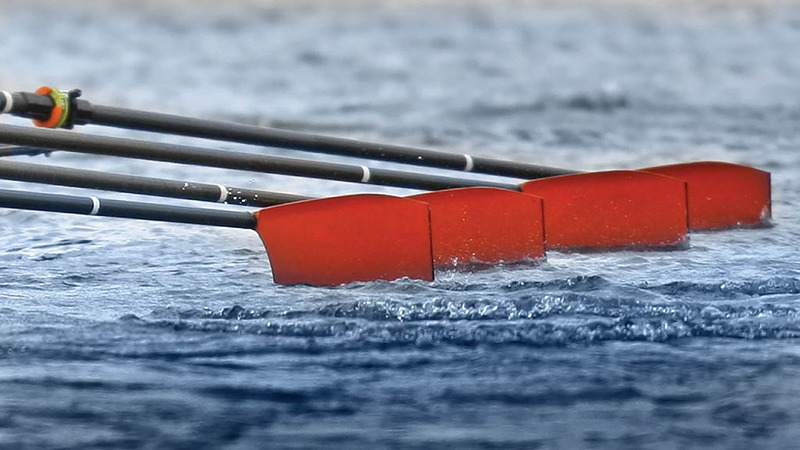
(119, 334)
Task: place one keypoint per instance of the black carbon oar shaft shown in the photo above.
(16, 150)
(92, 206)
(39, 107)
(63, 176)
(314, 143)
(102, 145)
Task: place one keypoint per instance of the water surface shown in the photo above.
(120, 334)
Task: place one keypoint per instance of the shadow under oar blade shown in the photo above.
(612, 210)
(471, 227)
(723, 195)
(340, 240)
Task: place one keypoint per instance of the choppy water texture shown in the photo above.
(115, 334)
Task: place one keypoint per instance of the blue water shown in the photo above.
(121, 334)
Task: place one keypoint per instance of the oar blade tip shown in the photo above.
(475, 226)
(723, 195)
(612, 210)
(339, 240)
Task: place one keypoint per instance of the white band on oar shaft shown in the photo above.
(470, 164)
(95, 206)
(367, 175)
(223, 194)
(9, 102)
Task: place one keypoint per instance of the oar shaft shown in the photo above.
(63, 176)
(39, 107)
(16, 150)
(315, 143)
(101, 145)
(93, 206)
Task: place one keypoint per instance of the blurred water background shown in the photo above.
(122, 334)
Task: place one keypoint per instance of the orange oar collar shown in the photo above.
(60, 112)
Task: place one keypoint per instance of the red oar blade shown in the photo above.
(608, 210)
(345, 239)
(472, 226)
(723, 195)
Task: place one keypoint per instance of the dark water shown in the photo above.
(115, 334)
